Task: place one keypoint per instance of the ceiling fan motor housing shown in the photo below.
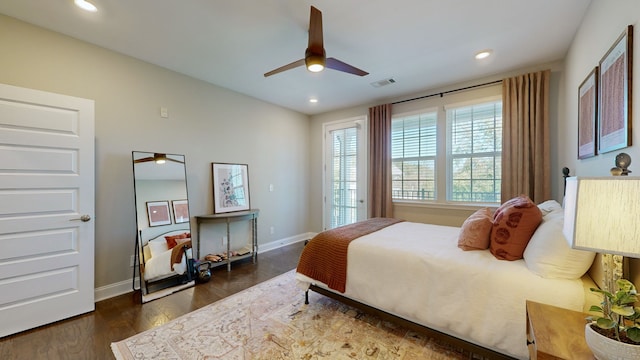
(314, 60)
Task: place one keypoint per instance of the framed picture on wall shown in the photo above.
(614, 100)
(587, 115)
(158, 213)
(230, 187)
(180, 211)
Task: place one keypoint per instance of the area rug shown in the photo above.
(271, 321)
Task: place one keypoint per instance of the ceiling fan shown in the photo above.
(315, 58)
(158, 158)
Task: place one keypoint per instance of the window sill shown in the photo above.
(448, 206)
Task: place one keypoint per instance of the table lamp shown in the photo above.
(602, 214)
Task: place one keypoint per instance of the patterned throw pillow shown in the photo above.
(475, 231)
(514, 223)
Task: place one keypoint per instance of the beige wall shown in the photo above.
(206, 123)
(604, 22)
(602, 25)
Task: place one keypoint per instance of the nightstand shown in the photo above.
(555, 333)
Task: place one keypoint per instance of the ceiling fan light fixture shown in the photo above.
(315, 63)
(159, 158)
(315, 67)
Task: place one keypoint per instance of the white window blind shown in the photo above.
(474, 152)
(413, 153)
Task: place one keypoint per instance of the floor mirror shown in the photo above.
(164, 257)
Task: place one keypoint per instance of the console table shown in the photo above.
(228, 218)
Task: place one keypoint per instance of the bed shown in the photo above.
(165, 255)
(427, 276)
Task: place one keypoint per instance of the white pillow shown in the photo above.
(549, 255)
(158, 246)
(146, 252)
(550, 207)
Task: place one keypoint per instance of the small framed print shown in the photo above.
(587, 115)
(230, 187)
(180, 211)
(158, 213)
(614, 95)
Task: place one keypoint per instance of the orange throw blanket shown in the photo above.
(178, 251)
(324, 258)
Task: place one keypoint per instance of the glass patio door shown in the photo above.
(345, 173)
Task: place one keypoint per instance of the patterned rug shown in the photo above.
(271, 321)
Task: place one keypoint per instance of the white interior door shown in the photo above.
(345, 184)
(46, 187)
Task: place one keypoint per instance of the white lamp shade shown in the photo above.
(603, 214)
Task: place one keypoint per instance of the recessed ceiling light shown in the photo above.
(313, 100)
(85, 5)
(483, 54)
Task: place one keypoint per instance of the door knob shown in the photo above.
(83, 218)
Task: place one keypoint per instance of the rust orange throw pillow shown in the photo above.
(476, 230)
(172, 241)
(514, 223)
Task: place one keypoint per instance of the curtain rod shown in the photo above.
(448, 91)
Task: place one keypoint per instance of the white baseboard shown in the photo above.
(112, 290)
(284, 242)
(123, 287)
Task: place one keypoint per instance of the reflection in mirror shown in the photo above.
(163, 241)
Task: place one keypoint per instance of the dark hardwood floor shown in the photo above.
(90, 336)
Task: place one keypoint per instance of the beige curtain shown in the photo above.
(526, 165)
(380, 204)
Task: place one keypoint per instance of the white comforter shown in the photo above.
(417, 272)
(159, 266)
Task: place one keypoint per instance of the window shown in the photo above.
(467, 163)
(474, 152)
(413, 154)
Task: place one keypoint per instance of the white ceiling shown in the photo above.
(422, 44)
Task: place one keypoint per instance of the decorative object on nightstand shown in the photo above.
(623, 160)
(601, 214)
(618, 324)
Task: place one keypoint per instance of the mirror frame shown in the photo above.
(156, 218)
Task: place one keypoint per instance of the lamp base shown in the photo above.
(613, 269)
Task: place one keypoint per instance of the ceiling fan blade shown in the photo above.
(293, 65)
(141, 160)
(335, 64)
(316, 42)
(174, 160)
